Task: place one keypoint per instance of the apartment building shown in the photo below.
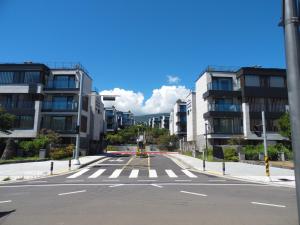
(125, 119)
(165, 122)
(111, 119)
(178, 117)
(51, 98)
(191, 125)
(230, 103)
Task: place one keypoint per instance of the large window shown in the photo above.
(276, 81)
(64, 81)
(223, 125)
(83, 125)
(6, 77)
(24, 122)
(252, 81)
(221, 83)
(32, 77)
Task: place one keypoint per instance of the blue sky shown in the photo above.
(136, 44)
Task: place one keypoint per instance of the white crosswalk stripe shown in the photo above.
(97, 173)
(171, 173)
(189, 173)
(116, 173)
(134, 174)
(78, 173)
(152, 173)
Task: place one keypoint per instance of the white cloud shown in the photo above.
(173, 79)
(161, 101)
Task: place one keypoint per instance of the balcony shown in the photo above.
(62, 128)
(223, 110)
(17, 105)
(226, 130)
(61, 85)
(215, 89)
(63, 106)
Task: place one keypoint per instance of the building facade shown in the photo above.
(48, 98)
(178, 117)
(191, 125)
(229, 104)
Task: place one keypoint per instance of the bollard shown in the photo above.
(223, 165)
(51, 168)
(203, 164)
(267, 166)
(69, 164)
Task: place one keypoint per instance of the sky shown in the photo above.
(150, 52)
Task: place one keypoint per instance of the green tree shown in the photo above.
(285, 126)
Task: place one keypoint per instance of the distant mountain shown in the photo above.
(145, 118)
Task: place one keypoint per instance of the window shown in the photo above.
(252, 81)
(83, 126)
(64, 81)
(32, 77)
(24, 122)
(85, 103)
(222, 125)
(276, 81)
(222, 83)
(6, 77)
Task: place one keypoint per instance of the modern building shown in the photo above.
(155, 122)
(179, 119)
(165, 122)
(191, 125)
(230, 103)
(125, 119)
(111, 119)
(51, 98)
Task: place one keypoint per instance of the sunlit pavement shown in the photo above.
(124, 189)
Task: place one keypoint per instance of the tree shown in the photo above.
(285, 126)
(6, 125)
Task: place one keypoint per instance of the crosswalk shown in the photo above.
(134, 173)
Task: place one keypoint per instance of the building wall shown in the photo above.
(191, 117)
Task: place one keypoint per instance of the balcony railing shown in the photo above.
(60, 106)
(52, 84)
(61, 128)
(219, 87)
(224, 107)
(226, 130)
(18, 105)
(275, 108)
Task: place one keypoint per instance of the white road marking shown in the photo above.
(116, 185)
(267, 204)
(37, 181)
(8, 201)
(189, 173)
(78, 173)
(111, 164)
(116, 160)
(116, 173)
(216, 180)
(156, 185)
(183, 180)
(114, 180)
(152, 173)
(97, 173)
(146, 180)
(73, 192)
(134, 173)
(72, 181)
(193, 193)
(171, 173)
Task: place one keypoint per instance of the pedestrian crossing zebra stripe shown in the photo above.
(78, 173)
(134, 173)
(189, 174)
(116, 173)
(97, 173)
(152, 173)
(171, 173)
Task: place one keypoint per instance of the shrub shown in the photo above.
(252, 152)
(230, 154)
(61, 153)
(28, 147)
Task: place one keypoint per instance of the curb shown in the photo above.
(215, 173)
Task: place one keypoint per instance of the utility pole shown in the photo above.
(76, 157)
(290, 23)
(265, 143)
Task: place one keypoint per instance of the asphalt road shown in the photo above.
(125, 190)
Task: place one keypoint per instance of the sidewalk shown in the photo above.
(244, 171)
(31, 170)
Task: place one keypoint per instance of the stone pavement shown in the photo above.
(31, 170)
(239, 170)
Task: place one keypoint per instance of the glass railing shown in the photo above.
(61, 128)
(52, 84)
(227, 130)
(60, 106)
(219, 86)
(224, 107)
(274, 108)
(17, 105)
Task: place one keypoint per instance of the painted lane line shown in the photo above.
(116, 185)
(70, 181)
(73, 192)
(183, 180)
(171, 173)
(8, 201)
(134, 173)
(78, 173)
(189, 173)
(156, 185)
(116, 173)
(268, 204)
(112, 180)
(38, 181)
(152, 174)
(193, 193)
(145, 180)
(111, 164)
(216, 180)
(97, 173)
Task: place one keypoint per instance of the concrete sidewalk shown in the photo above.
(31, 170)
(244, 171)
